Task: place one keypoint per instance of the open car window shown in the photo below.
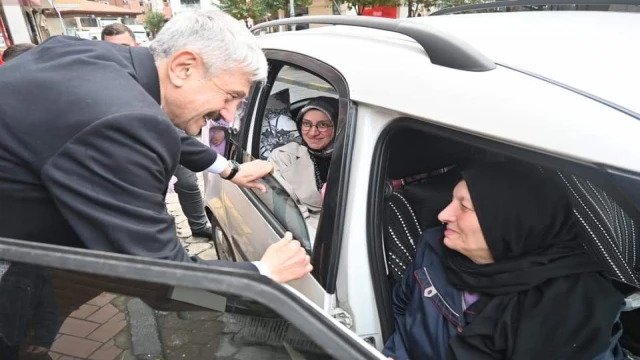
(82, 304)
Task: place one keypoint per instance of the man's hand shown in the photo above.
(249, 173)
(287, 260)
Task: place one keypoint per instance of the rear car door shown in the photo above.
(76, 303)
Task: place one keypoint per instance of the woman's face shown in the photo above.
(317, 129)
(463, 233)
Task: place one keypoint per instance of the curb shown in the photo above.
(145, 339)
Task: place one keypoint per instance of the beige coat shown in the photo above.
(295, 171)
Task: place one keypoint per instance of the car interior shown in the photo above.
(422, 170)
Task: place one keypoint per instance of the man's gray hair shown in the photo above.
(223, 43)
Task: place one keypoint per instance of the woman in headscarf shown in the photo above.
(507, 278)
(303, 168)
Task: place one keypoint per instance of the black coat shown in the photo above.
(86, 152)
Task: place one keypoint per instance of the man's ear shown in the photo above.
(183, 65)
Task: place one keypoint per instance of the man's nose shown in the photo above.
(230, 110)
(228, 113)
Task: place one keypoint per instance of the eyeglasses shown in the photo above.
(321, 126)
(241, 109)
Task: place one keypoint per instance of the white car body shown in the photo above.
(585, 110)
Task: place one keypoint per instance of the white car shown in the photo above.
(421, 96)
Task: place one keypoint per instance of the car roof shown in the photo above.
(391, 71)
(592, 51)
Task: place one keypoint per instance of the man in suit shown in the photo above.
(187, 186)
(89, 142)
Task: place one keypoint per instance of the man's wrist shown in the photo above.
(235, 167)
(226, 172)
(220, 166)
(262, 268)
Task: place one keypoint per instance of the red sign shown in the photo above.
(382, 11)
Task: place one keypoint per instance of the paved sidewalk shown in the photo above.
(195, 246)
(97, 331)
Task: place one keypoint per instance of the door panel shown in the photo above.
(250, 232)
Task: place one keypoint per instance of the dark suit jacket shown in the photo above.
(86, 152)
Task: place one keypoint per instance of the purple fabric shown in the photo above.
(220, 147)
(470, 298)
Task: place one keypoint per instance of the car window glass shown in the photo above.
(290, 92)
(77, 315)
(280, 203)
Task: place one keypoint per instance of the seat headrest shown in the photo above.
(429, 197)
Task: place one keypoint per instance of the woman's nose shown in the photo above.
(447, 214)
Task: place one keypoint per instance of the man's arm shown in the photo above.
(196, 156)
(109, 182)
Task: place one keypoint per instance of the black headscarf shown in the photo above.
(321, 158)
(544, 297)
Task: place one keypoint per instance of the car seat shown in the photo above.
(278, 127)
(401, 234)
(613, 234)
(408, 211)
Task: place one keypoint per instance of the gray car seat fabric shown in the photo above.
(613, 234)
(401, 234)
(411, 210)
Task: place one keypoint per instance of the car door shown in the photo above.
(85, 304)
(251, 220)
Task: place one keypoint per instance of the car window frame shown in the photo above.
(328, 240)
(326, 332)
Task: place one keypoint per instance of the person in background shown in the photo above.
(118, 34)
(186, 185)
(13, 51)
